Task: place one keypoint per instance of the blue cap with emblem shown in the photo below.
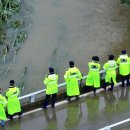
(123, 51)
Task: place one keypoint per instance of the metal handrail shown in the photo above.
(32, 95)
(116, 124)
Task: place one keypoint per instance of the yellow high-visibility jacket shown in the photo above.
(13, 101)
(71, 78)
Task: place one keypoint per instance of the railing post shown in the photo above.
(32, 98)
(108, 128)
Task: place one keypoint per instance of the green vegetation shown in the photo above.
(21, 36)
(12, 34)
(125, 2)
(7, 9)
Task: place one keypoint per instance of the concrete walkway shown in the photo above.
(89, 113)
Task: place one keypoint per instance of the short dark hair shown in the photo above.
(71, 63)
(111, 57)
(95, 58)
(11, 82)
(51, 70)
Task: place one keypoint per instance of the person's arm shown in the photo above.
(79, 74)
(116, 66)
(105, 66)
(46, 80)
(118, 61)
(18, 92)
(99, 67)
(57, 77)
(7, 93)
(66, 76)
(129, 63)
(4, 101)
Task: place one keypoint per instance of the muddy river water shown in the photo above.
(64, 30)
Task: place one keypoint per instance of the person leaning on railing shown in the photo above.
(93, 78)
(72, 75)
(14, 106)
(110, 68)
(51, 82)
(3, 104)
(124, 67)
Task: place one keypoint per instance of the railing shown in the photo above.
(32, 95)
(116, 124)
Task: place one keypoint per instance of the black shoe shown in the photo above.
(104, 87)
(53, 106)
(69, 99)
(20, 113)
(44, 107)
(11, 117)
(110, 89)
(122, 85)
(85, 89)
(94, 90)
(77, 98)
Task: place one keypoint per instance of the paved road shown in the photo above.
(90, 113)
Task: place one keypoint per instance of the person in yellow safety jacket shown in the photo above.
(71, 77)
(51, 82)
(3, 104)
(110, 68)
(13, 106)
(124, 67)
(93, 78)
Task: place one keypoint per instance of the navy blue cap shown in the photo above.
(123, 51)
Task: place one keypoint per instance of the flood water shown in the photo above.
(64, 30)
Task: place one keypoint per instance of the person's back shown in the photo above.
(124, 67)
(110, 68)
(13, 101)
(51, 82)
(124, 64)
(71, 77)
(94, 68)
(3, 104)
(93, 78)
(73, 74)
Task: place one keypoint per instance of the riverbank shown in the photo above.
(67, 30)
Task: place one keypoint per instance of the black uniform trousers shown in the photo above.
(47, 100)
(123, 78)
(106, 83)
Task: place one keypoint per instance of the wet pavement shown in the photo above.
(90, 113)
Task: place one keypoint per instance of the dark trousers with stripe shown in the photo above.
(52, 100)
(123, 78)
